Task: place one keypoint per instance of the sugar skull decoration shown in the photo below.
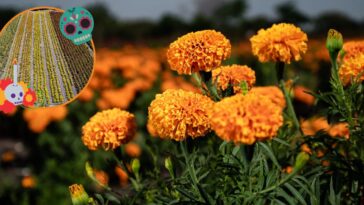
(13, 93)
(76, 24)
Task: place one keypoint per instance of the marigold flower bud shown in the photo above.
(78, 195)
(135, 165)
(301, 160)
(169, 166)
(334, 42)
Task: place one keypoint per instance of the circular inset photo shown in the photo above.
(35, 53)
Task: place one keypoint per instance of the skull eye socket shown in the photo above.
(12, 95)
(85, 23)
(21, 94)
(70, 28)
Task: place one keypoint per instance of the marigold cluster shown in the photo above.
(198, 51)
(109, 129)
(233, 75)
(273, 93)
(280, 43)
(178, 114)
(39, 118)
(352, 69)
(121, 74)
(249, 118)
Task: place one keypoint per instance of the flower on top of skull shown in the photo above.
(13, 94)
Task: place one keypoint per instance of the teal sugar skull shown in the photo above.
(76, 24)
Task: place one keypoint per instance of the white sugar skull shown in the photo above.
(76, 24)
(14, 93)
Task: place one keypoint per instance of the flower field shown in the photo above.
(201, 117)
(49, 63)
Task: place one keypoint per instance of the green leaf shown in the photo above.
(305, 187)
(236, 150)
(270, 153)
(204, 175)
(112, 198)
(100, 198)
(281, 142)
(223, 146)
(279, 202)
(296, 194)
(289, 199)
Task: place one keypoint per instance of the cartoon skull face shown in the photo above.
(14, 93)
(76, 24)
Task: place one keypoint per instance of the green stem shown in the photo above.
(283, 181)
(200, 83)
(190, 169)
(290, 109)
(203, 194)
(340, 90)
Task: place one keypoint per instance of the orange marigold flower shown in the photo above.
(198, 51)
(325, 163)
(282, 42)
(133, 150)
(311, 126)
(339, 130)
(8, 156)
(300, 93)
(233, 75)
(28, 182)
(306, 148)
(39, 118)
(122, 175)
(101, 177)
(169, 81)
(178, 114)
(352, 68)
(246, 118)
(288, 169)
(86, 94)
(120, 97)
(273, 93)
(151, 129)
(352, 48)
(109, 129)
